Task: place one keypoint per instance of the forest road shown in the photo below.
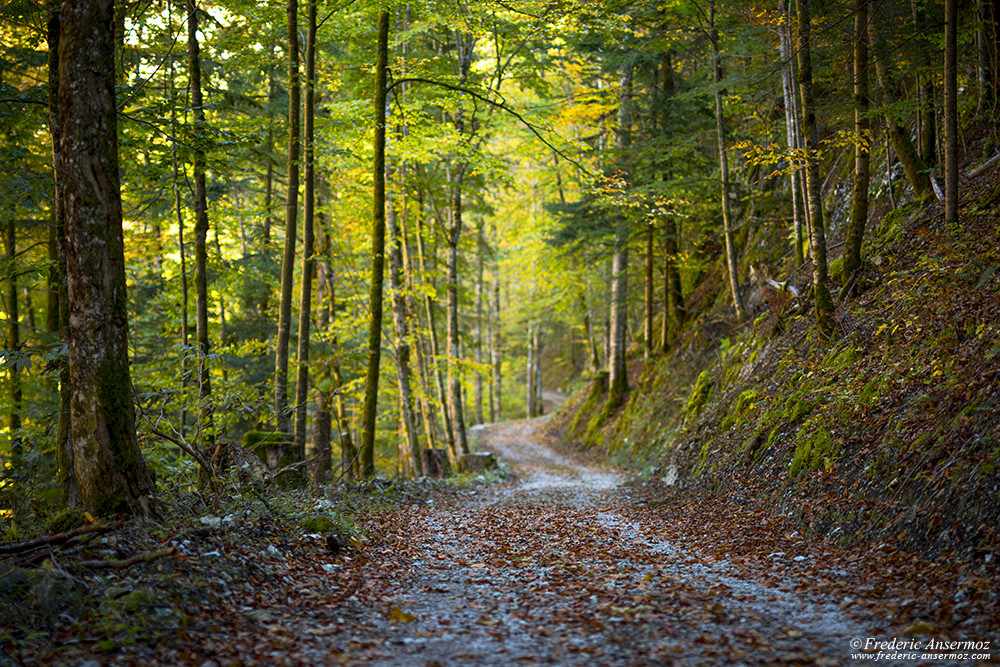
(564, 568)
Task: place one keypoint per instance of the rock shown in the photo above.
(477, 462)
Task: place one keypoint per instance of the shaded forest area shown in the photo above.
(266, 254)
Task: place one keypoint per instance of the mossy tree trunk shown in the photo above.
(308, 265)
(862, 128)
(727, 215)
(618, 340)
(821, 277)
(69, 489)
(200, 222)
(951, 113)
(370, 407)
(109, 467)
(291, 223)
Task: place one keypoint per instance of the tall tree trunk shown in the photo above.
(862, 128)
(465, 44)
(323, 413)
(308, 270)
(370, 408)
(400, 320)
(69, 489)
(727, 216)
(496, 350)
(291, 224)
(791, 124)
(951, 114)
(200, 224)
(926, 116)
(821, 279)
(480, 288)
(617, 369)
(529, 372)
(435, 347)
(647, 348)
(13, 341)
(108, 463)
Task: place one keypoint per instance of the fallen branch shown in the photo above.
(144, 557)
(934, 184)
(984, 166)
(58, 538)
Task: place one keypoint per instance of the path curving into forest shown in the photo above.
(560, 568)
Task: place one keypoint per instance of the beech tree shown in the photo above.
(109, 467)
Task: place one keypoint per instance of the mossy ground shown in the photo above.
(887, 430)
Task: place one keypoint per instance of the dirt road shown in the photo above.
(563, 568)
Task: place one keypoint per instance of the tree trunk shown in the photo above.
(791, 126)
(617, 369)
(69, 489)
(480, 287)
(951, 114)
(200, 223)
(926, 116)
(370, 408)
(529, 372)
(308, 270)
(859, 200)
(465, 44)
(108, 463)
(821, 279)
(291, 225)
(13, 343)
(400, 320)
(496, 350)
(727, 216)
(647, 348)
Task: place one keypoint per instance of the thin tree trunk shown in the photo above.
(13, 342)
(439, 380)
(200, 224)
(951, 114)
(862, 151)
(821, 279)
(617, 369)
(788, 94)
(108, 463)
(400, 320)
(69, 489)
(465, 44)
(308, 270)
(370, 408)
(480, 286)
(727, 216)
(496, 350)
(647, 348)
(926, 116)
(291, 224)
(529, 372)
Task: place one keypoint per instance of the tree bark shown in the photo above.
(370, 407)
(951, 114)
(465, 43)
(13, 342)
(291, 225)
(821, 278)
(859, 200)
(308, 268)
(617, 369)
(200, 223)
(727, 216)
(69, 489)
(496, 350)
(792, 133)
(647, 348)
(109, 467)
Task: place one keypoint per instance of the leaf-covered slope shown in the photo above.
(890, 430)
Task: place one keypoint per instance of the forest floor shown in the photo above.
(566, 564)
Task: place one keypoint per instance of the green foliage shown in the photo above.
(818, 451)
(699, 395)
